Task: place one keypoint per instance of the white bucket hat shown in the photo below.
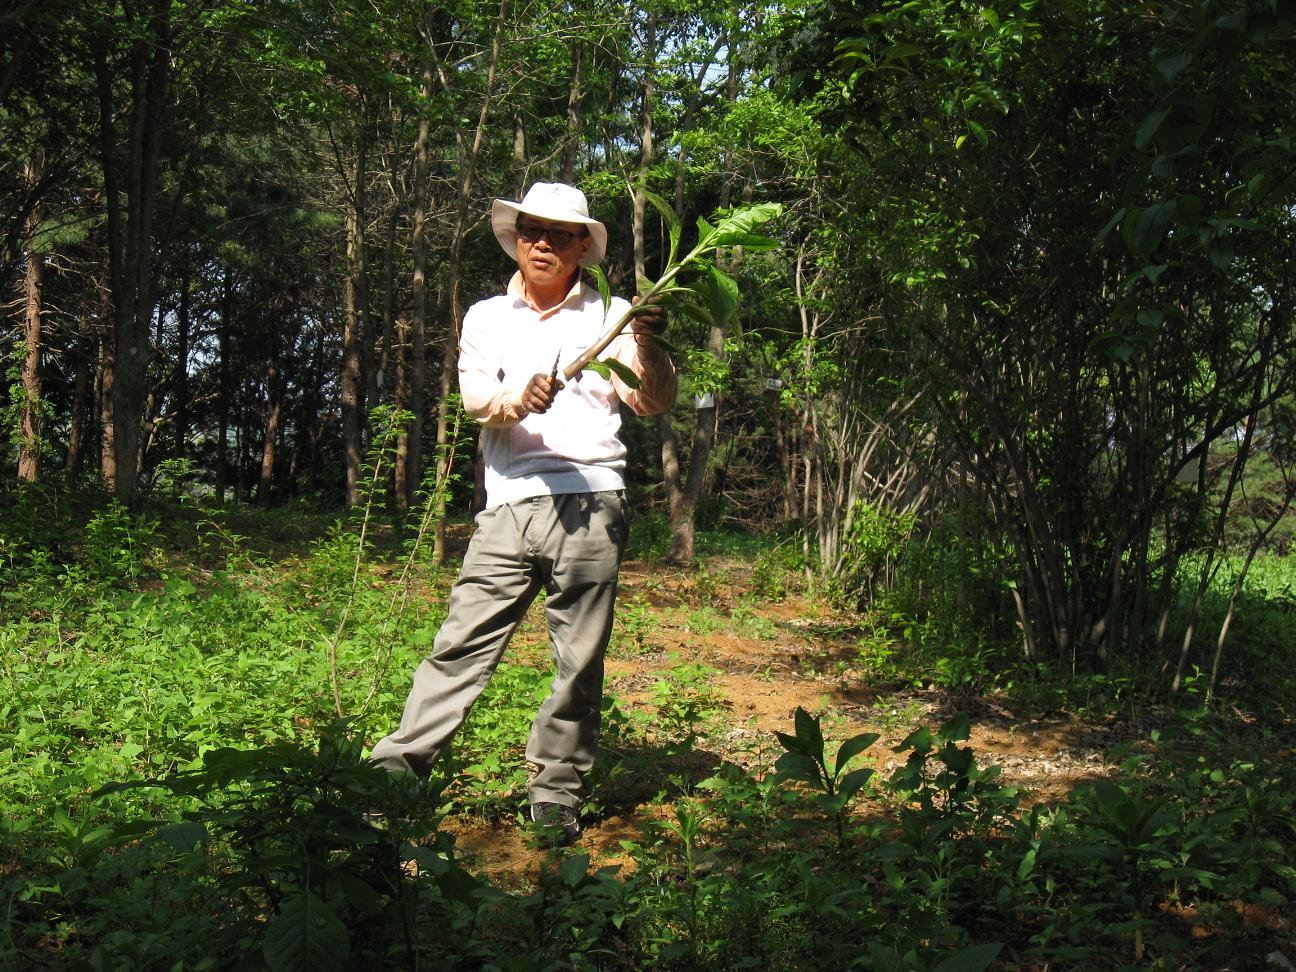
(548, 200)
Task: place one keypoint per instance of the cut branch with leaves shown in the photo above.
(711, 298)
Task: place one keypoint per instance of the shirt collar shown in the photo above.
(517, 291)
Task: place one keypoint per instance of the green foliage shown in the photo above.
(712, 297)
(119, 547)
(1045, 349)
(293, 834)
(488, 752)
(649, 535)
(199, 803)
(634, 623)
(872, 541)
(683, 701)
(807, 760)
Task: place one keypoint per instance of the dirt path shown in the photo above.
(702, 637)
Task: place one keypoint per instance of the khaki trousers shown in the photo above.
(571, 545)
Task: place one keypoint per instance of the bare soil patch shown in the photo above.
(765, 659)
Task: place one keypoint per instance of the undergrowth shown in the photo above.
(185, 788)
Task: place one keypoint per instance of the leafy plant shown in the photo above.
(807, 760)
(683, 701)
(316, 840)
(120, 546)
(634, 623)
(944, 781)
(1133, 834)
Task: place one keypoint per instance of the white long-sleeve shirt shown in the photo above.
(574, 446)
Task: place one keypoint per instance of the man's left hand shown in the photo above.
(648, 320)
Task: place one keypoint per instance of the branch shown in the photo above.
(713, 297)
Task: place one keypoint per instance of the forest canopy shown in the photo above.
(1024, 353)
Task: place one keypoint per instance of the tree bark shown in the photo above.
(575, 94)
(684, 491)
(378, 350)
(76, 426)
(411, 365)
(29, 430)
(180, 382)
(223, 391)
(130, 240)
(519, 153)
(274, 413)
(450, 347)
(354, 311)
(645, 145)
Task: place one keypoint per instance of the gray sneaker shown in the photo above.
(561, 824)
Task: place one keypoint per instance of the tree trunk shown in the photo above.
(450, 352)
(575, 93)
(645, 145)
(355, 310)
(519, 153)
(223, 391)
(130, 240)
(684, 492)
(411, 369)
(29, 431)
(275, 393)
(76, 427)
(180, 383)
(378, 350)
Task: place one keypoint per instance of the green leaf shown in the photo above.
(696, 312)
(957, 729)
(798, 766)
(573, 869)
(1170, 65)
(600, 368)
(919, 740)
(672, 221)
(604, 287)
(854, 746)
(705, 231)
(718, 292)
(974, 958)
(1149, 127)
(809, 732)
(129, 750)
(623, 372)
(665, 345)
(305, 936)
(742, 222)
(900, 52)
(1144, 229)
(854, 781)
(360, 895)
(793, 744)
(1188, 211)
(1109, 226)
(1027, 864)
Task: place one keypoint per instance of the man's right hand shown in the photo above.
(539, 393)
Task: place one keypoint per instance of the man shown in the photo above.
(555, 512)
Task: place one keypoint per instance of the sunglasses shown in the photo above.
(531, 233)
